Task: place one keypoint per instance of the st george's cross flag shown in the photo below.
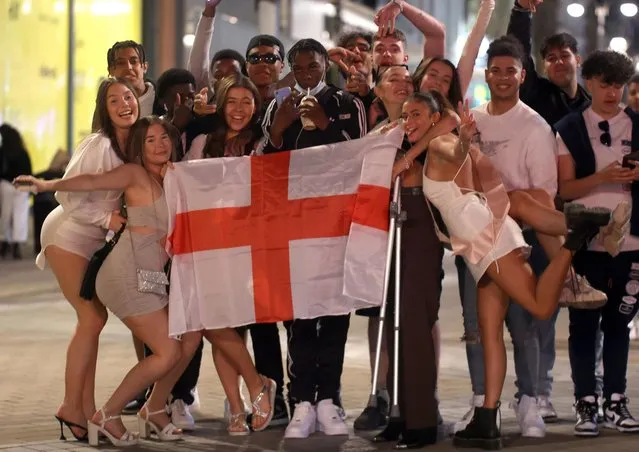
(290, 235)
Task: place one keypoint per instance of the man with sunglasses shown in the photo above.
(264, 64)
(595, 168)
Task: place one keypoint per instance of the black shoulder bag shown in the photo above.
(87, 290)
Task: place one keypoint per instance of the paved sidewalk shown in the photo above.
(35, 325)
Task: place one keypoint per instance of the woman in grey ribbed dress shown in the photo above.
(139, 247)
(152, 142)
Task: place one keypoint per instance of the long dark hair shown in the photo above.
(137, 135)
(435, 102)
(11, 142)
(216, 140)
(105, 125)
(455, 94)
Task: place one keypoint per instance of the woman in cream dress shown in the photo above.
(73, 232)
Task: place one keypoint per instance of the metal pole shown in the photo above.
(401, 216)
(372, 400)
(70, 75)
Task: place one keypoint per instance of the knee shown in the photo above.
(170, 355)
(92, 323)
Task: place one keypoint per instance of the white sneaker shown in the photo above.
(579, 294)
(476, 401)
(196, 399)
(329, 419)
(303, 422)
(613, 235)
(546, 410)
(530, 422)
(181, 416)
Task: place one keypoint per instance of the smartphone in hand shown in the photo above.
(281, 95)
(628, 157)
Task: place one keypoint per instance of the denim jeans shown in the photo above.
(532, 340)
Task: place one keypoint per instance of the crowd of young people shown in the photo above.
(485, 183)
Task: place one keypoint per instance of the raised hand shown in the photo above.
(343, 57)
(209, 8)
(201, 106)
(467, 125)
(385, 18)
(530, 4)
(356, 82)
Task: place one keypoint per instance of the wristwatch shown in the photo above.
(399, 3)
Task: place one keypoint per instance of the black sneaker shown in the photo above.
(373, 417)
(586, 411)
(617, 416)
(280, 412)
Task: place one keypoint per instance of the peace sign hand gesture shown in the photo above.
(467, 125)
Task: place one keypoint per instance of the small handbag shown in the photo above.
(87, 289)
(150, 281)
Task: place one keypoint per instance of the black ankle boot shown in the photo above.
(4, 249)
(584, 224)
(417, 438)
(392, 432)
(482, 432)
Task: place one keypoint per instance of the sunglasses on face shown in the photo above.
(268, 58)
(605, 137)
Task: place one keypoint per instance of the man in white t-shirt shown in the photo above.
(592, 145)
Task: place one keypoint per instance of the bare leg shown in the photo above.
(492, 305)
(230, 379)
(139, 348)
(79, 375)
(160, 367)
(230, 343)
(515, 277)
(537, 209)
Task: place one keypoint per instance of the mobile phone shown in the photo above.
(626, 159)
(281, 95)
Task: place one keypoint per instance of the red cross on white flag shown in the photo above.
(270, 238)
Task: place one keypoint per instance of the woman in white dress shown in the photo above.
(75, 230)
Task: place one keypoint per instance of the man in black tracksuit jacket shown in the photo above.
(315, 346)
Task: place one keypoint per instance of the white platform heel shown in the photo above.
(168, 433)
(94, 430)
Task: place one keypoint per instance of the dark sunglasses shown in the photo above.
(605, 137)
(268, 58)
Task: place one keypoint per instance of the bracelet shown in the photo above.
(400, 4)
(408, 164)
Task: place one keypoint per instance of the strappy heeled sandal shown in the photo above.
(237, 425)
(127, 438)
(71, 425)
(269, 389)
(169, 433)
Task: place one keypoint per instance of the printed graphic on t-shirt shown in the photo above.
(492, 147)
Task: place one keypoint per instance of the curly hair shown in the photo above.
(347, 38)
(307, 45)
(506, 46)
(609, 66)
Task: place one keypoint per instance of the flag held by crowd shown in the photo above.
(283, 236)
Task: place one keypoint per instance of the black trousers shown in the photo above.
(618, 277)
(188, 380)
(420, 290)
(316, 358)
(268, 352)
